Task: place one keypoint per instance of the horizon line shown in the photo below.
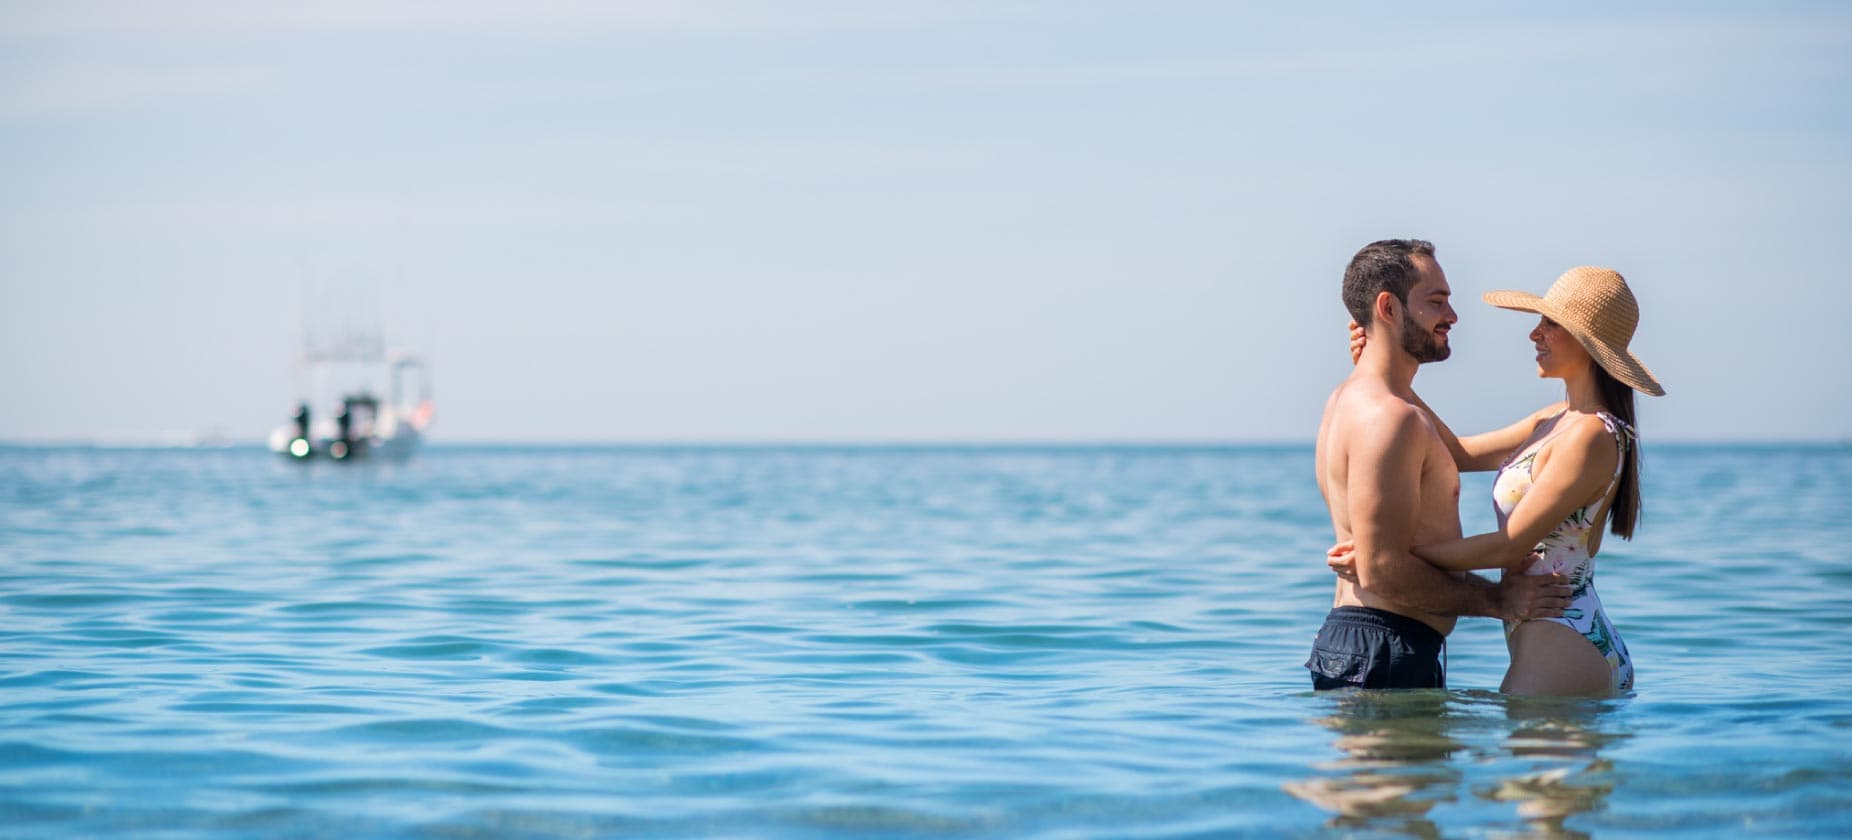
(165, 442)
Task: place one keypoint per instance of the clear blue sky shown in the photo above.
(906, 221)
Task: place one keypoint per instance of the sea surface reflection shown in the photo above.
(1403, 756)
(874, 642)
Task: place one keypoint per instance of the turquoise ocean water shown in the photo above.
(866, 642)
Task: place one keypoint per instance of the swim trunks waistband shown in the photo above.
(1413, 629)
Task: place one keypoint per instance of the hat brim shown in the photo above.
(1619, 362)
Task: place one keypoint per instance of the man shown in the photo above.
(1391, 484)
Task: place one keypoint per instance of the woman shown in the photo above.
(1562, 472)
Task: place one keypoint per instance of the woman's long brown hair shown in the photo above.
(1625, 512)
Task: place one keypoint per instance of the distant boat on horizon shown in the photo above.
(341, 415)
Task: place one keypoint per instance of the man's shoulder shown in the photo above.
(1365, 404)
(1373, 422)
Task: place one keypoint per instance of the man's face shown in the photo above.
(1429, 314)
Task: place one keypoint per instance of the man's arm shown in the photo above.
(1383, 500)
(1520, 597)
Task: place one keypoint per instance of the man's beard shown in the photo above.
(1424, 345)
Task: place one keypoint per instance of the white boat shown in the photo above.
(342, 415)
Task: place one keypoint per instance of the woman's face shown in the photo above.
(1558, 352)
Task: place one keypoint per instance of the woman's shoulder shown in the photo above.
(1588, 435)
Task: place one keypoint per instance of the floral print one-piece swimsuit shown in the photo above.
(1564, 551)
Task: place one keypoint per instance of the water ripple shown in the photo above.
(863, 643)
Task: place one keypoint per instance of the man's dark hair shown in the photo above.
(1382, 266)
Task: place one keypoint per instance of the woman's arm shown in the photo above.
(1481, 452)
(1491, 550)
(1488, 450)
(1579, 465)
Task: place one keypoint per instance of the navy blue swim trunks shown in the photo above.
(1364, 647)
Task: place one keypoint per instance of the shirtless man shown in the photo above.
(1391, 484)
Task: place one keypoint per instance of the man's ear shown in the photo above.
(1387, 309)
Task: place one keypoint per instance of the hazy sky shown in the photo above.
(905, 221)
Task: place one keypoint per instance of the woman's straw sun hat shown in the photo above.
(1595, 306)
